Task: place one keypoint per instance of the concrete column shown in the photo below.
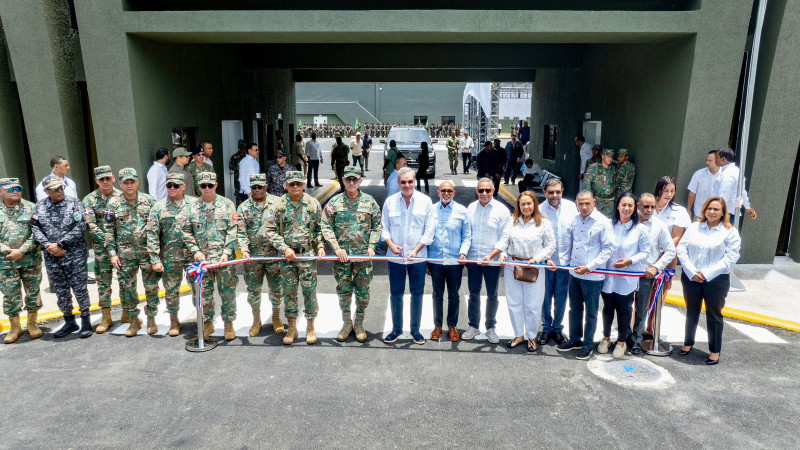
(40, 42)
(12, 158)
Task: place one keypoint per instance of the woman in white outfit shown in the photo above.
(674, 216)
(530, 239)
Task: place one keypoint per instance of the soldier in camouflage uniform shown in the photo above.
(197, 166)
(58, 224)
(20, 260)
(276, 175)
(602, 182)
(95, 205)
(626, 172)
(126, 241)
(351, 224)
(293, 227)
(165, 247)
(452, 152)
(339, 160)
(253, 242)
(210, 234)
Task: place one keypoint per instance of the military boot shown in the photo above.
(125, 317)
(15, 332)
(208, 328)
(277, 323)
(311, 336)
(86, 326)
(106, 322)
(134, 327)
(256, 327)
(229, 333)
(33, 326)
(151, 325)
(69, 326)
(347, 327)
(291, 335)
(174, 325)
(358, 327)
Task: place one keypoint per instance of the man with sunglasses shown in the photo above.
(58, 224)
(210, 235)
(168, 254)
(96, 205)
(248, 166)
(126, 240)
(276, 175)
(20, 260)
(182, 157)
(351, 223)
(293, 227)
(253, 241)
(199, 165)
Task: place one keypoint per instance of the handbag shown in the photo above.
(525, 274)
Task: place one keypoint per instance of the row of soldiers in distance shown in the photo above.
(376, 130)
(133, 233)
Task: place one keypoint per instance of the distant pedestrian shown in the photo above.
(424, 162)
(585, 152)
(514, 152)
(366, 146)
(703, 185)
(314, 156)
(248, 166)
(298, 153)
(157, 175)
(357, 151)
(525, 133)
(60, 167)
(389, 159)
(392, 186)
(466, 145)
(729, 183)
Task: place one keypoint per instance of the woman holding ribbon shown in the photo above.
(632, 247)
(530, 239)
(707, 252)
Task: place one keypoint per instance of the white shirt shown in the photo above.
(527, 241)
(674, 215)
(586, 153)
(489, 225)
(704, 185)
(591, 243)
(560, 219)
(409, 225)
(728, 186)
(662, 248)
(157, 181)
(247, 166)
(632, 242)
(70, 188)
(356, 146)
(466, 144)
(710, 251)
(313, 151)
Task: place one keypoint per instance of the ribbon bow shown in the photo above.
(663, 277)
(196, 272)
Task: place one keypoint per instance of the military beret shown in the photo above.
(6, 183)
(180, 151)
(176, 178)
(103, 172)
(352, 171)
(258, 179)
(206, 177)
(197, 151)
(608, 152)
(128, 173)
(52, 182)
(293, 176)
(622, 152)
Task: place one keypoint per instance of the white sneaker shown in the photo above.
(470, 333)
(491, 336)
(619, 351)
(603, 347)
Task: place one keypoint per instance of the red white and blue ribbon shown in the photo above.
(196, 272)
(664, 276)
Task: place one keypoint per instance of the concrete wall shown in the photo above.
(12, 156)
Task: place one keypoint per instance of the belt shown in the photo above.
(298, 250)
(520, 259)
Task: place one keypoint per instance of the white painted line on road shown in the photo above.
(756, 333)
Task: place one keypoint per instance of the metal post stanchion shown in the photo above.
(199, 344)
(657, 347)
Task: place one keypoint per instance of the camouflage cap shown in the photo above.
(352, 171)
(52, 182)
(128, 173)
(258, 179)
(294, 176)
(623, 152)
(280, 154)
(6, 183)
(206, 177)
(608, 152)
(176, 178)
(103, 172)
(180, 151)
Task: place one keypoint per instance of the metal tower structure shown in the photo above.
(505, 90)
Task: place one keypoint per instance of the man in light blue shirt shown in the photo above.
(157, 175)
(391, 183)
(248, 166)
(451, 241)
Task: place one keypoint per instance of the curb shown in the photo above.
(740, 314)
(507, 195)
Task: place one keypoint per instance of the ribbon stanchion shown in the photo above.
(657, 347)
(199, 344)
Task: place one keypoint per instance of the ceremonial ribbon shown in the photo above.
(663, 277)
(196, 271)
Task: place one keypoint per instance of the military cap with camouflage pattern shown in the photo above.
(103, 172)
(258, 179)
(6, 183)
(351, 171)
(293, 176)
(206, 177)
(128, 173)
(623, 152)
(608, 152)
(176, 178)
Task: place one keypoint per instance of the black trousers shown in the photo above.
(313, 168)
(713, 293)
(466, 158)
(623, 306)
(422, 177)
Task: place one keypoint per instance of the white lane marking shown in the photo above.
(756, 333)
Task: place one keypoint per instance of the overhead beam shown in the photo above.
(412, 75)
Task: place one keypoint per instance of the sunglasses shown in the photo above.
(446, 191)
(484, 191)
(55, 189)
(14, 189)
(207, 186)
(295, 184)
(407, 182)
(256, 187)
(648, 206)
(351, 180)
(173, 186)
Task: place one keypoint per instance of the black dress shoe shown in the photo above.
(542, 338)
(685, 352)
(558, 337)
(712, 362)
(637, 349)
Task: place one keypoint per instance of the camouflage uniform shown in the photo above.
(452, 153)
(625, 174)
(15, 233)
(296, 227)
(354, 226)
(96, 204)
(339, 161)
(603, 184)
(165, 242)
(126, 237)
(211, 229)
(194, 169)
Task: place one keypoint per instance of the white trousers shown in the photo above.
(524, 303)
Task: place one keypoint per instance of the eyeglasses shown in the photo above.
(407, 182)
(207, 186)
(14, 189)
(296, 184)
(55, 189)
(648, 206)
(173, 186)
(446, 191)
(484, 191)
(351, 180)
(256, 187)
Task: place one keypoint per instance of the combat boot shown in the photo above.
(256, 327)
(347, 328)
(69, 326)
(229, 333)
(135, 326)
(33, 326)
(311, 336)
(208, 328)
(291, 335)
(277, 323)
(151, 325)
(174, 325)
(358, 327)
(125, 317)
(15, 332)
(106, 321)
(86, 326)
